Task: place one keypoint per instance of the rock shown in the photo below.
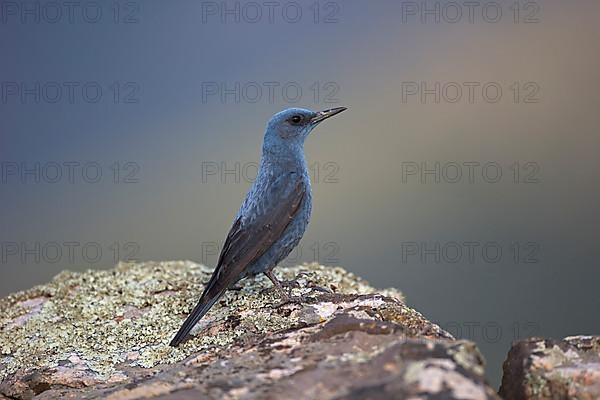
(105, 334)
(553, 369)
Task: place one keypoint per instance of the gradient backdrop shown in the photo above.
(181, 141)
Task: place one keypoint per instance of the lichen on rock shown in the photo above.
(540, 369)
(106, 334)
(129, 314)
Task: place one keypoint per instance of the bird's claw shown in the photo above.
(293, 283)
(289, 299)
(321, 289)
(310, 285)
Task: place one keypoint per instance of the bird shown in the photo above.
(273, 216)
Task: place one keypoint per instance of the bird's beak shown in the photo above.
(323, 115)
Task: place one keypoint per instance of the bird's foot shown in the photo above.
(289, 299)
(281, 292)
(321, 289)
(309, 285)
(286, 295)
(291, 284)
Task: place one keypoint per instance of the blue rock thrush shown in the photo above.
(274, 214)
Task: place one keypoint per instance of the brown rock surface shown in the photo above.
(105, 334)
(553, 369)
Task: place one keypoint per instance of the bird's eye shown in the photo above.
(296, 119)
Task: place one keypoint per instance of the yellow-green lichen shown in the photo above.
(100, 320)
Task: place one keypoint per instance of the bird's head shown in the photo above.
(291, 127)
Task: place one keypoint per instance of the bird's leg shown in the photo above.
(285, 297)
(310, 285)
(277, 285)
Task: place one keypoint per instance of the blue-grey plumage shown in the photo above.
(274, 214)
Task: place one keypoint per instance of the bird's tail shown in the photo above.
(211, 294)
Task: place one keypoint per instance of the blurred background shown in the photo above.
(464, 172)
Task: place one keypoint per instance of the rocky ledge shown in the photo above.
(105, 334)
(546, 369)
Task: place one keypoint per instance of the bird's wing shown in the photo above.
(252, 234)
(261, 224)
